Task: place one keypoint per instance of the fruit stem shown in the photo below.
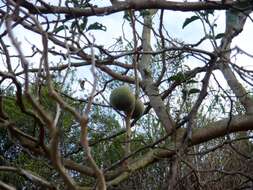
(128, 134)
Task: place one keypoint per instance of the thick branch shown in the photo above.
(201, 135)
(131, 4)
(147, 82)
(233, 28)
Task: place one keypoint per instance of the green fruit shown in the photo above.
(138, 110)
(122, 99)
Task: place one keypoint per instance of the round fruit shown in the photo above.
(138, 110)
(122, 99)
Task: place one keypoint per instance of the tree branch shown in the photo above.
(130, 4)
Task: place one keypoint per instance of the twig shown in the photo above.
(84, 127)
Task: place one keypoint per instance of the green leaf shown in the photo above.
(216, 98)
(210, 12)
(220, 35)
(144, 13)
(191, 81)
(60, 28)
(179, 77)
(74, 24)
(75, 2)
(82, 26)
(194, 91)
(96, 26)
(189, 20)
(126, 16)
(84, 23)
